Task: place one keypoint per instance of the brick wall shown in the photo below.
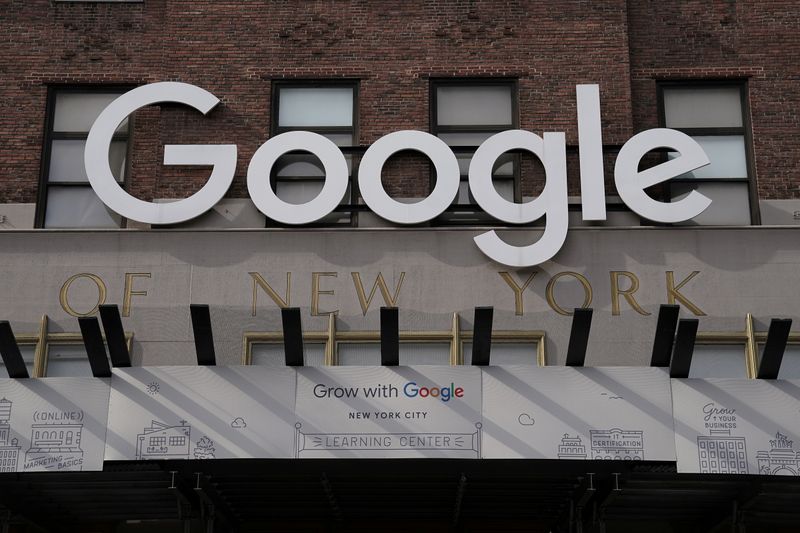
(754, 41)
(235, 49)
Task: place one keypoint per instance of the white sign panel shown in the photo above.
(620, 413)
(187, 412)
(736, 426)
(52, 424)
(418, 411)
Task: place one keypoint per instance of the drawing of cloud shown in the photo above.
(525, 419)
(238, 423)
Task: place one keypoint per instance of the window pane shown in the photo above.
(505, 187)
(703, 107)
(76, 112)
(66, 160)
(77, 207)
(424, 353)
(718, 361)
(67, 360)
(340, 139)
(28, 351)
(302, 191)
(522, 353)
(727, 155)
(504, 166)
(411, 353)
(790, 364)
(316, 106)
(464, 139)
(272, 354)
(304, 165)
(474, 105)
(729, 203)
(359, 353)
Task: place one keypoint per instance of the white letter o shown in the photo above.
(443, 193)
(334, 189)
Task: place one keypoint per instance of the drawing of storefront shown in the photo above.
(617, 444)
(781, 459)
(720, 453)
(162, 441)
(9, 450)
(55, 447)
(571, 448)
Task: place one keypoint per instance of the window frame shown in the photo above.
(42, 339)
(512, 337)
(72, 339)
(740, 340)
(353, 206)
(761, 341)
(49, 136)
(745, 130)
(436, 129)
(454, 337)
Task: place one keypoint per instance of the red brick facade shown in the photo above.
(237, 49)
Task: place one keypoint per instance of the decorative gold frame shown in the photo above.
(746, 338)
(761, 338)
(42, 341)
(454, 337)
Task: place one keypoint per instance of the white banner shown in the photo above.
(194, 412)
(621, 413)
(418, 411)
(737, 426)
(54, 424)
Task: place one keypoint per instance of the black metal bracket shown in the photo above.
(684, 348)
(579, 336)
(482, 336)
(665, 335)
(115, 336)
(95, 346)
(203, 334)
(390, 336)
(292, 336)
(9, 350)
(777, 337)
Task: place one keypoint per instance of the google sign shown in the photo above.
(550, 149)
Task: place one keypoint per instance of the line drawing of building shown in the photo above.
(162, 441)
(720, 453)
(55, 447)
(781, 459)
(571, 447)
(617, 444)
(9, 449)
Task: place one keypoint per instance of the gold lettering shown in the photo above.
(673, 294)
(126, 299)
(63, 295)
(587, 291)
(509, 279)
(259, 281)
(627, 293)
(315, 293)
(391, 301)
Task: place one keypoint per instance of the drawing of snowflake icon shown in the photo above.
(153, 388)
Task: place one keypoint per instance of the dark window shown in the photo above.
(66, 200)
(464, 113)
(714, 115)
(327, 108)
